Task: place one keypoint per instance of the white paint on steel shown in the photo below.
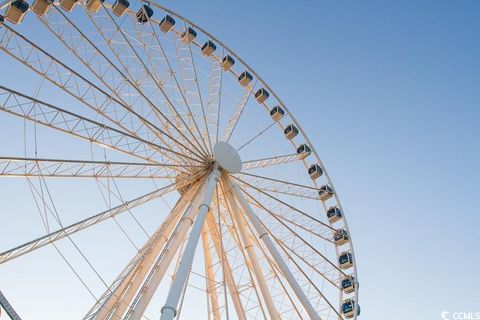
(227, 157)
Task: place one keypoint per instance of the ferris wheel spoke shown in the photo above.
(233, 121)
(141, 38)
(283, 220)
(211, 286)
(188, 72)
(226, 267)
(259, 134)
(275, 271)
(82, 225)
(304, 274)
(269, 162)
(239, 246)
(47, 66)
(117, 40)
(246, 239)
(292, 233)
(169, 310)
(103, 68)
(182, 91)
(156, 274)
(283, 187)
(118, 298)
(264, 236)
(37, 111)
(150, 44)
(328, 227)
(28, 167)
(215, 96)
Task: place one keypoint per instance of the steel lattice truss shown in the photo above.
(155, 98)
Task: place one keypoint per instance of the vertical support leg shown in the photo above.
(145, 294)
(264, 236)
(214, 231)
(209, 274)
(169, 311)
(249, 247)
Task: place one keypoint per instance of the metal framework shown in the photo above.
(144, 95)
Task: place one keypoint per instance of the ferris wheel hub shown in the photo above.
(227, 157)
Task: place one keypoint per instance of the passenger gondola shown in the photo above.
(315, 171)
(345, 260)
(41, 7)
(188, 35)
(144, 14)
(245, 78)
(277, 113)
(227, 62)
(304, 151)
(261, 95)
(16, 11)
(290, 131)
(167, 23)
(334, 214)
(325, 192)
(208, 48)
(119, 7)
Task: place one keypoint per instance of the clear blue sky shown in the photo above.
(390, 92)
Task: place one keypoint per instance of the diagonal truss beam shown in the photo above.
(32, 109)
(58, 73)
(233, 121)
(82, 225)
(268, 162)
(113, 34)
(117, 299)
(282, 186)
(265, 237)
(170, 309)
(249, 247)
(28, 167)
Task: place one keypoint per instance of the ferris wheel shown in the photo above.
(140, 100)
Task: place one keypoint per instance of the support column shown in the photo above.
(169, 310)
(249, 247)
(233, 289)
(161, 265)
(265, 237)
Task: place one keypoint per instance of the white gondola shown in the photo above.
(261, 95)
(349, 308)
(325, 192)
(315, 171)
(245, 78)
(68, 5)
(94, 5)
(41, 7)
(348, 284)
(277, 113)
(144, 14)
(227, 62)
(345, 260)
(167, 23)
(341, 237)
(208, 48)
(290, 131)
(304, 151)
(16, 11)
(334, 214)
(189, 35)
(119, 7)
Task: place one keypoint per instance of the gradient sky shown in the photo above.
(390, 93)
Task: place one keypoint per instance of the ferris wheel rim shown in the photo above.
(286, 108)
